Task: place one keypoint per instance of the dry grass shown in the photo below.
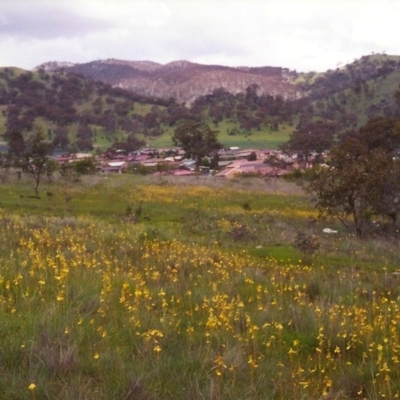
(272, 186)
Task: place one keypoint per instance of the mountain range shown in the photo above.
(183, 80)
(356, 91)
(115, 102)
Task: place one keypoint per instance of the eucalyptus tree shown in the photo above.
(196, 139)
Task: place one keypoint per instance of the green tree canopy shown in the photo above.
(363, 180)
(16, 144)
(196, 139)
(308, 138)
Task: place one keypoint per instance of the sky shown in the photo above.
(302, 35)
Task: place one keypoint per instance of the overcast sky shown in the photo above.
(298, 34)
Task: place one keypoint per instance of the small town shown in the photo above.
(232, 162)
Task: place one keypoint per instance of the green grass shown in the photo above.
(127, 287)
(143, 109)
(265, 138)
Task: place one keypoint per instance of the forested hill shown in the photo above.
(355, 92)
(183, 80)
(80, 114)
(350, 94)
(75, 111)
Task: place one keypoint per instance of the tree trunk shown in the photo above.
(37, 180)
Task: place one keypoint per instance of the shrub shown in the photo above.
(85, 166)
(307, 243)
(68, 172)
(241, 233)
(246, 206)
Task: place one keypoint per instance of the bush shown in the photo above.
(140, 169)
(252, 156)
(68, 172)
(307, 243)
(85, 166)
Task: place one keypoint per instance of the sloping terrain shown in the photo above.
(104, 102)
(184, 80)
(77, 113)
(352, 94)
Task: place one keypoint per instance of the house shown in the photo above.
(138, 157)
(188, 164)
(243, 163)
(242, 166)
(80, 156)
(153, 162)
(248, 152)
(229, 173)
(62, 159)
(182, 172)
(115, 167)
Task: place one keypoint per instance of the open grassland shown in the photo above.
(265, 138)
(160, 288)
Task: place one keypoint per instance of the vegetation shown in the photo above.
(356, 92)
(76, 113)
(35, 158)
(79, 114)
(198, 287)
(362, 180)
(197, 140)
(311, 138)
(192, 288)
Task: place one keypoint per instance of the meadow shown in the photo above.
(265, 138)
(127, 287)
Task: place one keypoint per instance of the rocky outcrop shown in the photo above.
(53, 66)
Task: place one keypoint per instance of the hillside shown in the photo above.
(127, 104)
(350, 95)
(78, 114)
(183, 80)
(356, 92)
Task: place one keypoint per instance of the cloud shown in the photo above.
(306, 35)
(45, 20)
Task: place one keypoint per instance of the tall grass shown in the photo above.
(197, 297)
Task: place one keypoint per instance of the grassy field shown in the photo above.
(125, 287)
(264, 138)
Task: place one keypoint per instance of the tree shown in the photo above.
(381, 132)
(61, 139)
(131, 144)
(51, 167)
(196, 139)
(35, 157)
(383, 185)
(16, 144)
(277, 163)
(214, 162)
(85, 166)
(252, 156)
(363, 180)
(341, 193)
(310, 137)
